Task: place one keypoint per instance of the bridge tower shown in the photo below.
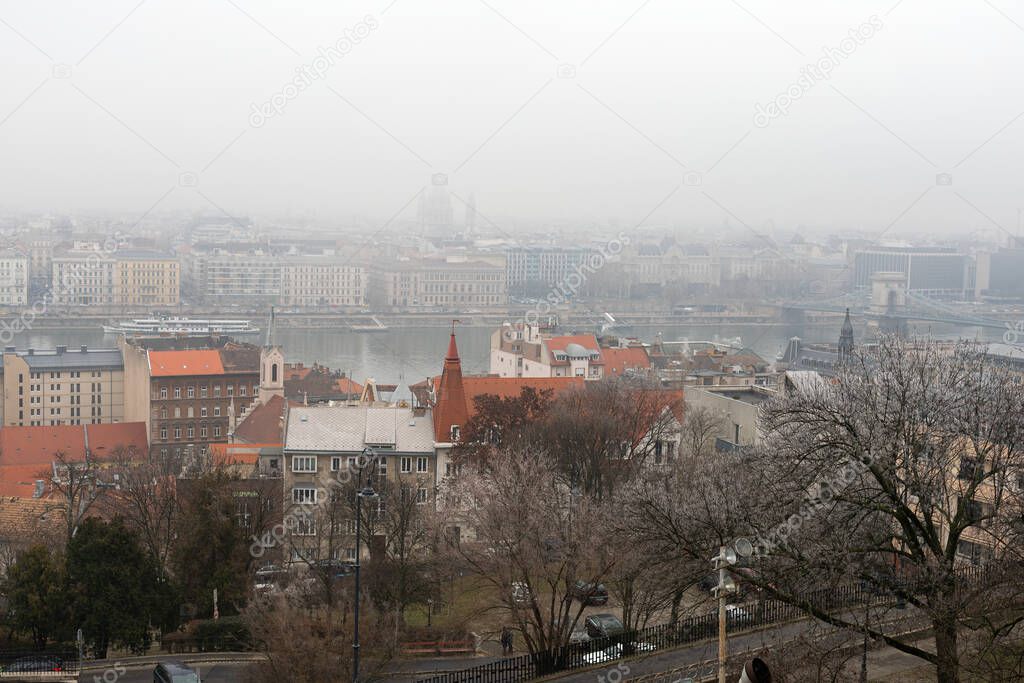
(889, 302)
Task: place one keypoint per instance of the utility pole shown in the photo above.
(725, 558)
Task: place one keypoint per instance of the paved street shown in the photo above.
(211, 673)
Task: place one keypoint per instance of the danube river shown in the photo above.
(403, 355)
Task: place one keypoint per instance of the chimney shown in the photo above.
(38, 491)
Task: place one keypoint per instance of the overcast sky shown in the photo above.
(562, 111)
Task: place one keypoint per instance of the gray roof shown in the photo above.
(350, 428)
(72, 359)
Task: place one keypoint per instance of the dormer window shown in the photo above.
(454, 433)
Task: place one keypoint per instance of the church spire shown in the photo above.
(450, 411)
(846, 339)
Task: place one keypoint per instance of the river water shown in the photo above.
(404, 355)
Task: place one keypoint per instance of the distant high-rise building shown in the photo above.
(846, 339)
(932, 271)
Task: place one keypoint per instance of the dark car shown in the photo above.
(35, 664)
(174, 672)
(335, 569)
(603, 626)
(590, 593)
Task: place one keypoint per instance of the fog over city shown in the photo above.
(564, 112)
(462, 341)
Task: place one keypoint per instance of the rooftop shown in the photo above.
(64, 358)
(185, 363)
(351, 428)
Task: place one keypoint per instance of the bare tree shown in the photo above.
(699, 427)
(77, 483)
(605, 432)
(900, 474)
(146, 498)
(531, 536)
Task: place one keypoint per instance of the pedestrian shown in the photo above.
(506, 642)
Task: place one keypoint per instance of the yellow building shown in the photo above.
(62, 387)
(147, 279)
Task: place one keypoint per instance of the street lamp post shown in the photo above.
(366, 492)
(725, 558)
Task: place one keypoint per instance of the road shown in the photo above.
(211, 673)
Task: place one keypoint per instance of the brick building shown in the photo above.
(190, 398)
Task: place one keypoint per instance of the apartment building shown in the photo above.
(231, 277)
(14, 276)
(437, 283)
(520, 350)
(147, 279)
(62, 386)
(322, 450)
(91, 275)
(191, 398)
(536, 269)
(322, 281)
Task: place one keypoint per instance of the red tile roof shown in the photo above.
(450, 408)
(185, 363)
(617, 361)
(37, 445)
(347, 386)
(587, 341)
(106, 440)
(27, 453)
(264, 423)
(225, 454)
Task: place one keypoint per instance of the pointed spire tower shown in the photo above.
(846, 339)
(271, 365)
(450, 412)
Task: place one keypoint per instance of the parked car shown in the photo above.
(590, 593)
(603, 626)
(335, 569)
(33, 664)
(175, 672)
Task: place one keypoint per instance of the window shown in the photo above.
(202, 431)
(191, 411)
(406, 464)
(335, 463)
(454, 431)
(216, 391)
(203, 391)
(216, 411)
(191, 432)
(241, 390)
(303, 463)
(177, 432)
(231, 390)
(350, 554)
(304, 495)
(305, 525)
(382, 465)
(421, 465)
(216, 431)
(191, 392)
(177, 392)
(202, 411)
(163, 392)
(421, 495)
(177, 411)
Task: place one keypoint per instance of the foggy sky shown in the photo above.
(105, 105)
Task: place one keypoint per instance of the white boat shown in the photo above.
(377, 326)
(190, 327)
